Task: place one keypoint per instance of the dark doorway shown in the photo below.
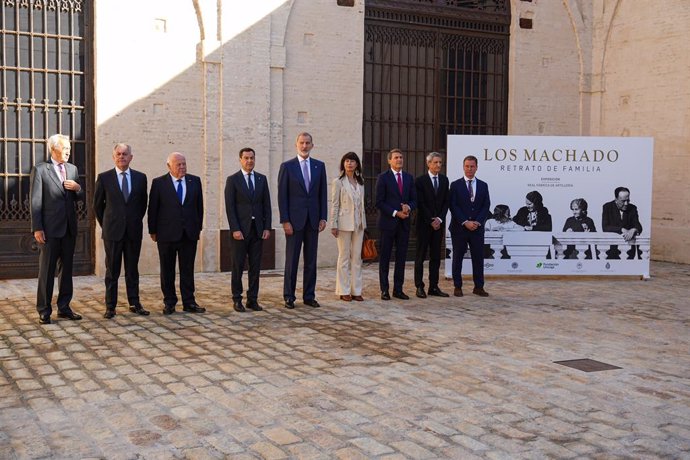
(431, 68)
(46, 83)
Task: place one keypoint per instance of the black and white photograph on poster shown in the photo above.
(561, 205)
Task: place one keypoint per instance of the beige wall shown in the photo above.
(646, 68)
(612, 68)
(207, 77)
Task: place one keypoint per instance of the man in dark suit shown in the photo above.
(176, 213)
(54, 191)
(303, 205)
(432, 202)
(395, 199)
(620, 216)
(248, 207)
(469, 209)
(119, 203)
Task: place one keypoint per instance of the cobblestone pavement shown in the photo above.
(453, 378)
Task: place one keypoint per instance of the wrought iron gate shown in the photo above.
(431, 68)
(46, 65)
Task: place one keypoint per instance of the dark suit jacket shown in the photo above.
(611, 220)
(52, 207)
(241, 206)
(116, 217)
(169, 219)
(388, 199)
(577, 225)
(462, 209)
(431, 204)
(543, 224)
(298, 205)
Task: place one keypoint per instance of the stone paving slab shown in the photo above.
(428, 378)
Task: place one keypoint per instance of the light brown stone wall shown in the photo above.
(646, 67)
(207, 77)
(612, 68)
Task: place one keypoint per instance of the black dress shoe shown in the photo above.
(44, 319)
(193, 308)
(253, 305)
(109, 313)
(458, 292)
(169, 309)
(237, 306)
(400, 295)
(289, 304)
(420, 293)
(69, 314)
(312, 303)
(385, 295)
(480, 292)
(437, 292)
(139, 310)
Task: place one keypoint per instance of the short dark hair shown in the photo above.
(620, 189)
(247, 149)
(470, 158)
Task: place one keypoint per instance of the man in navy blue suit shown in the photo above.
(119, 204)
(248, 207)
(176, 215)
(469, 208)
(303, 206)
(395, 199)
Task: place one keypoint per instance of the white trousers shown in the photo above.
(349, 275)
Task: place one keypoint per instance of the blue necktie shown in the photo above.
(435, 184)
(179, 190)
(305, 173)
(125, 187)
(251, 184)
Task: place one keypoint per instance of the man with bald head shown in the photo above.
(176, 213)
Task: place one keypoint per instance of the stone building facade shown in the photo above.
(207, 77)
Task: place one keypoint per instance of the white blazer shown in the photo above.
(343, 205)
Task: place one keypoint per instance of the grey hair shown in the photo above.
(120, 145)
(55, 139)
(311, 139)
(433, 155)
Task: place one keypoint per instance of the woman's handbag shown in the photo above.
(369, 252)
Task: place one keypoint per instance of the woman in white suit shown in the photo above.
(349, 221)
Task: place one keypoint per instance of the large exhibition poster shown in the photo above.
(561, 205)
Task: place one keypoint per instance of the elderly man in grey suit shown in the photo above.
(54, 192)
(119, 203)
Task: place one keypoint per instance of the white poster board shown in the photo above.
(560, 169)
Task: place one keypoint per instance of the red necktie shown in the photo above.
(400, 183)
